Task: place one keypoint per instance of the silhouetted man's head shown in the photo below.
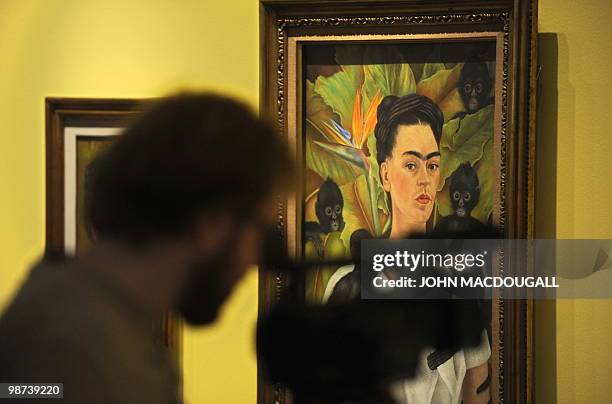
(196, 170)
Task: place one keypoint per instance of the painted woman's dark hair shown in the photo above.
(410, 109)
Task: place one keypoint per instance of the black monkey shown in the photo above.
(328, 208)
(475, 85)
(464, 194)
(349, 287)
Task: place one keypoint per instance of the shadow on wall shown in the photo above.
(545, 354)
(546, 137)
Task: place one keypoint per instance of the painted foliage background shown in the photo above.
(343, 86)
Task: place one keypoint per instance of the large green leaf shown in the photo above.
(316, 280)
(347, 153)
(386, 71)
(327, 163)
(486, 177)
(357, 211)
(429, 69)
(381, 197)
(377, 68)
(339, 91)
(463, 140)
(441, 88)
(317, 110)
(470, 140)
(430, 66)
(323, 161)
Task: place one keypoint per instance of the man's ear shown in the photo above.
(384, 176)
(212, 230)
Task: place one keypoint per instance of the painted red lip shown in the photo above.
(423, 199)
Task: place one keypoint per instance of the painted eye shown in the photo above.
(328, 211)
(479, 88)
(434, 167)
(456, 196)
(466, 196)
(337, 208)
(467, 88)
(411, 166)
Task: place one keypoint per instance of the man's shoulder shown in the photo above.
(50, 301)
(64, 326)
(37, 328)
(57, 302)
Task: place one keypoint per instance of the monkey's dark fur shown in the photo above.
(349, 287)
(474, 86)
(328, 208)
(464, 195)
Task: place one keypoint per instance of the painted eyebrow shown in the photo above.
(419, 155)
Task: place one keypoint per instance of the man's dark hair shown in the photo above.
(186, 153)
(407, 110)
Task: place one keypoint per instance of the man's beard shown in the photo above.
(208, 285)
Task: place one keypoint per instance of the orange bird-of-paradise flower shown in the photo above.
(362, 125)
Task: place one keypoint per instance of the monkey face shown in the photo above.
(473, 94)
(329, 207)
(464, 190)
(474, 85)
(462, 202)
(334, 216)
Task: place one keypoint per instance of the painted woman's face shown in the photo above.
(411, 174)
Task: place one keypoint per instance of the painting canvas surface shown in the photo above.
(343, 87)
(87, 148)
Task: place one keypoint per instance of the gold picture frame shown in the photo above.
(286, 27)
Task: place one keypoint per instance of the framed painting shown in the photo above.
(77, 129)
(341, 78)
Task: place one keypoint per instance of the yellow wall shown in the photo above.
(122, 48)
(574, 141)
(129, 48)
